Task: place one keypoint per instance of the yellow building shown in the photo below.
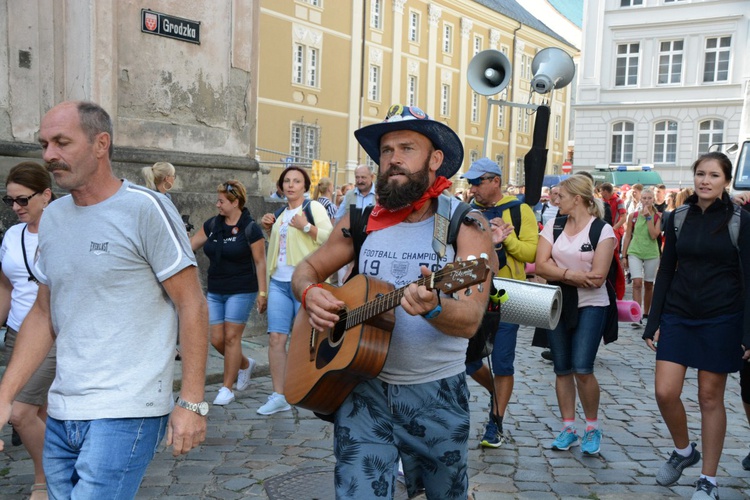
(329, 67)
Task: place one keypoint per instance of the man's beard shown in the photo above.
(393, 196)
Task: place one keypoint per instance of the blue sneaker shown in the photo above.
(565, 440)
(492, 438)
(591, 442)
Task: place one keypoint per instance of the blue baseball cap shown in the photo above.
(401, 117)
(480, 167)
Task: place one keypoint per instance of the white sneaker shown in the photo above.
(276, 403)
(243, 376)
(224, 397)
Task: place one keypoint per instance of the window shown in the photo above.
(665, 142)
(445, 99)
(373, 83)
(376, 14)
(524, 59)
(525, 120)
(411, 91)
(630, 3)
(558, 122)
(500, 160)
(304, 141)
(477, 45)
(413, 26)
(670, 62)
(305, 65)
(500, 117)
(626, 72)
(622, 142)
(474, 107)
(314, 3)
(716, 64)
(447, 38)
(709, 132)
(520, 177)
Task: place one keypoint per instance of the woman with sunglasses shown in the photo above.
(293, 237)
(236, 249)
(28, 188)
(159, 177)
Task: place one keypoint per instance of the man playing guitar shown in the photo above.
(417, 408)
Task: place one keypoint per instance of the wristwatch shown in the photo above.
(307, 227)
(199, 408)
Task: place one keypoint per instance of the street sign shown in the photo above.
(157, 23)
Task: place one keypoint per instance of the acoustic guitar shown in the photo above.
(323, 367)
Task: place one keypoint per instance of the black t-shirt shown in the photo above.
(232, 268)
(660, 207)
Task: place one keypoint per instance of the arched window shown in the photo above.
(622, 142)
(709, 132)
(665, 141)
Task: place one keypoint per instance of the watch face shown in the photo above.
(203, 408)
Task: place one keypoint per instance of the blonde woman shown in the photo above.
(323, 194)
(160, 177)
(581, 266)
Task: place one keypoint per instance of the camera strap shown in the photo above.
(25, 259)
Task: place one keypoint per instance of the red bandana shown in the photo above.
(381, 217)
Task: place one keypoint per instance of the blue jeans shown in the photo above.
(229, 307)
(106, 458)
(282, 307)
(575, 351)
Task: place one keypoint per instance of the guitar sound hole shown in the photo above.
(337, 332)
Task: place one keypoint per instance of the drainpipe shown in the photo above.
(511, 125)
(362, 77)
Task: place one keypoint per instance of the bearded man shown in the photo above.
(417, 408)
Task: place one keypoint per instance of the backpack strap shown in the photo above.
(305, 208)
(557, 229)
(515, 217)
(358, 233)
(678, 217)
(456, 221)
(635, 218)
(734, 226)
(595, 231)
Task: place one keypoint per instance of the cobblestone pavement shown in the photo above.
(291, 451)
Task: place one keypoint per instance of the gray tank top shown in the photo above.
(419, 352)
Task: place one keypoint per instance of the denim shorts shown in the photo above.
(575, 351)
(229, 308)
(104, 458)
(282, 307)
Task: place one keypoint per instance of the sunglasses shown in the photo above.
(22, 201)
(228, 188)
(479, 180)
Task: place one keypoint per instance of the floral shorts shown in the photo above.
(425, 425)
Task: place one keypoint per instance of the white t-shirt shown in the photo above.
(24, 291)
(577, 254)
(283, 272)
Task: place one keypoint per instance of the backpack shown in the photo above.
(515, 217)
(595, 231)
(679, 214)
(305, 208)
(480, 345)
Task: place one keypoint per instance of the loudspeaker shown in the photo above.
(489, 72)
(552, 68)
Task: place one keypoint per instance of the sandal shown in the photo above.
(38, 491)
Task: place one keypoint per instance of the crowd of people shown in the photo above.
(684, 252)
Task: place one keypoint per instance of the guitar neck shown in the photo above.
(451, 278)
(382, 303)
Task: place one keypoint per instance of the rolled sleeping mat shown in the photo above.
(530, 304)
(628, 311)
